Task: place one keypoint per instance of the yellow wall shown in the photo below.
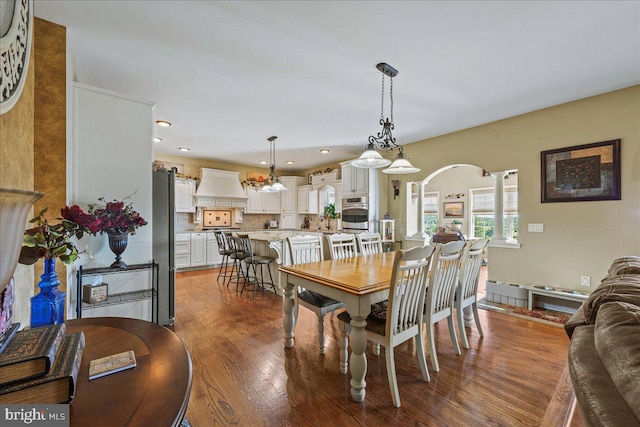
(580, 238)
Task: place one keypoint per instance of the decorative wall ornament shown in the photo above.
(455, 196)
(16, 28)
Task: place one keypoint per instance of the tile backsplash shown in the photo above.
(184, 222)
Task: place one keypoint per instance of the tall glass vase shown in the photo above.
(117, 244)
(47, 308)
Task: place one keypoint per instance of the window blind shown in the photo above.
(483, 200)
(430, 203)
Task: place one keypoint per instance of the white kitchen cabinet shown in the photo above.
(262, 203)
(198, 249)
(183, 250)
(184, 191)
(289, 221)
(289, 202)
(289, 198)
(307, 200)
(338, 202)
(213, 256)
(328, 178)
(355, 181)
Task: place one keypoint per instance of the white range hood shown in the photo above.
(220, 188)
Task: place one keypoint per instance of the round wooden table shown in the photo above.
(154, 393)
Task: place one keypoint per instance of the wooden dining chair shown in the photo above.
(443, 279)
(467, 292)
(369, 243)
(342, 245)
(305, 249)
(404, 315)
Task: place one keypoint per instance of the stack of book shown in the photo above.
(40, 365)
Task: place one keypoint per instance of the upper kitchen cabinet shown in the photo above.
(185, 189)
(318, 180)
(262, 203)
(307, 200)
(289, 198)
(355, 181)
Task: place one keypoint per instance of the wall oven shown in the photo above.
(355, 214)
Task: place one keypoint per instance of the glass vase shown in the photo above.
(47, 308)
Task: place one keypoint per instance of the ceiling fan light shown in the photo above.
(401, 166)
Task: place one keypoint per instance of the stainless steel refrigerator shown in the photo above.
(164, 214)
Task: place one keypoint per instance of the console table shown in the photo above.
(154, 393)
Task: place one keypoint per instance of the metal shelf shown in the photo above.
(123, 297)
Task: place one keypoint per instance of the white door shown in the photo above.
(198, 249)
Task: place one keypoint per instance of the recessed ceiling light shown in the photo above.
(263, 162)
(290, 162)
(184, 149)
(157, 139)
(324, 150)
(163, 123)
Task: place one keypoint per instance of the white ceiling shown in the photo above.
(230, 74)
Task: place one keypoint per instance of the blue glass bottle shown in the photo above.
(47, 308)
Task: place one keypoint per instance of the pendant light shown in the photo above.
(371, 157)
(273, 184)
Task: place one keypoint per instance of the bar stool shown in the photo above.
(225, 252)
(237, 255)
(251, 260)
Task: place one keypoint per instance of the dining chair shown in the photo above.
(404, 315)
(467, 292)
(252, 261)
(342, 245)
(225, 252)
(304, 249)
(369, 243)
(443, 279)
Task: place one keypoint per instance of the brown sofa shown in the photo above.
(604, 353)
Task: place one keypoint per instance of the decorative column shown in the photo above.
(498, 223)
(420, 217)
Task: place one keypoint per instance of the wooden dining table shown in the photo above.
(358, 282)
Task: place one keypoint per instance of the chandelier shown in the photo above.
(371, 157)
(273, 184)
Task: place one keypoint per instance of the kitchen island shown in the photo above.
(273, 244)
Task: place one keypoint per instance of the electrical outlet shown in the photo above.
(585, 280)
(535, 228)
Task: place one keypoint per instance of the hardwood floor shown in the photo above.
(243, 375)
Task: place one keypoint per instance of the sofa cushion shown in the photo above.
(620, 288)
(624, 266)
(617, 341)
(597, 395)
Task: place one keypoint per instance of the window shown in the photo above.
(430, 206)
(482, 212)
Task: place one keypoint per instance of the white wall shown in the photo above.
(111, 157)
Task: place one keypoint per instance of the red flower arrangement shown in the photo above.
(116, 217)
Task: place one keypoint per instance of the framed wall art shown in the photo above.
(453, 209)
(581, 173)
